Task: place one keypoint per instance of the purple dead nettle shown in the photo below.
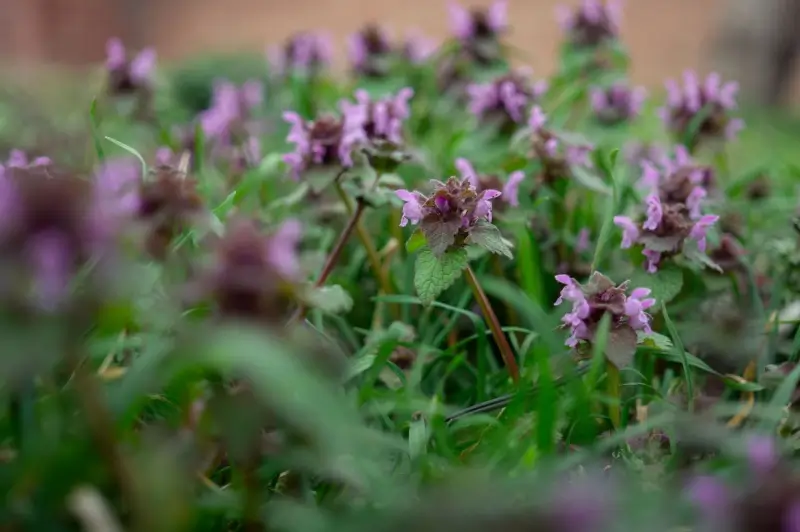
(505, 99)
(380, 120)
(418, 48)
(617, 103)
(19, 159)
(479, 29)
(582, 241)
(510, 189)
(126, 74)
(557, 156)
(449, 214)
(711, 97)
(369, 51)
(303, 53)
(230, 118)
(324, 143)
(679, 180)
(593, 23)
(598, 297)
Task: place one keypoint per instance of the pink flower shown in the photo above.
(511, 188)
(412, 210)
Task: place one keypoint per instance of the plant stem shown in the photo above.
(494, 324)
(333, 257)
(614, 388)
(369, 246)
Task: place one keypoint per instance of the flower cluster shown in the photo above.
(253, 276)
(417, 48)
(380, 120)
(510, 189)
(19, 159)
(52, 224)
(478, 30)
(558, 157)
(325, 142)
(505, 99)
(710, 101)
(449, 214)
(592, 24)
(598, 297)
(617, 103)
(128, 75)
(229, 119)
(303, 53)
(370, 52)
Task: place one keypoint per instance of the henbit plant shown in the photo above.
(195, 341)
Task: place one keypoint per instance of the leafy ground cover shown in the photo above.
(440, 294)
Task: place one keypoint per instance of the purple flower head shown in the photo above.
(593, 23)
(303, 53)
(665, 230)
(762, 454)
(418, 48)
(582, 244)
(380, 120)
(511, 188)
(116, 197)
(19, 159)
(713, 498)
(557, 155)
(229, 119)
(449, 214)
(506, 99)
(128, 75)
(253, 275)
(325, 142)
(598, 297)
(370, 52)
(479, 29)
(714, 99)
(617, 103)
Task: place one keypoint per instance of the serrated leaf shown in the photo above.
(440, 234)
(621, 346)
(333, 299)
(487, 236)
(433, 275)
(661, 244)
(320, 178)
(692, 253)
(654, 339)
(665, 284)
(416, 242)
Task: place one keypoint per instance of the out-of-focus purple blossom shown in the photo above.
(127, 75)
(598, 297)
(479, 30)
(593, 23)
(617, 103)
(638, 153)
(711, 97)
(449, 214)
(558, 156)
(19, 159)
(370, 51)
(326, 142)
(582, 243)
(666, 228)
(302, 53)
(418, 48)
(253, 275)
(511, 188)
(229, 119)
(505, 99)
(116, 197)
(762, 453)
(380, 120)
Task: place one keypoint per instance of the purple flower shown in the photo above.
(511, 188)
(558, 156)
(713, 499)
(710, 97)
(468, 25)
(762, 453)
(303, 53)
(639, 153)
(116, 196)
(229, 118)
(598, 297)
(325, 142)
(18, 159)
(128, 75)
(582, 243)
(380, 120)
(506, 99)
(617, 103)
(452, 210)
(369, 51)
(418, 48)
(591, 24)
(666, 228)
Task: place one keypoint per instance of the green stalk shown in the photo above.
(614, 387)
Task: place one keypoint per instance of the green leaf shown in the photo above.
(621, 346)
(433, 275)
(95, 121)
(417, 438)
(590, 180)
(333, 299)
(440, 234)
(487, 236)
(665, 284)
(416, 242)
(320, 178)
(132, 151)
